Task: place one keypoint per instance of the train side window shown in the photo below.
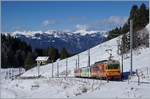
(113, 66)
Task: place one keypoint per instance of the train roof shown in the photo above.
(103, 61)
(107, 61)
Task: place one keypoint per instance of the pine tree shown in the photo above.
(39, 52)
(125, 44)
(140, 17)
(125, 28)
(64, 54)
(57, 55)
(143, 15)
(14, 52)
(29, 61)
(53, 54)
(19, 58)
(4, 56)
(11, 60)
(134, 15)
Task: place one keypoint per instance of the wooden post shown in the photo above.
(138, 76)
(129, 77)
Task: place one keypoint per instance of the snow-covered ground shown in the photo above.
(47, 87)
(77, 87)
(11, 73)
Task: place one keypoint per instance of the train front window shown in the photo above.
(113, 66)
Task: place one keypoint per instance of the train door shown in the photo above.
(101, 70)
(94, 71)
(89, 72)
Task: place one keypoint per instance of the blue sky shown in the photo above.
(67, 16)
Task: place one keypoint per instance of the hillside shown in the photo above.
(48, 87)
(96, 53)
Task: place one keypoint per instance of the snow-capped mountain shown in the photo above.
(74, 42)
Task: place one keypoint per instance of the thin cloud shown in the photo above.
(108, 23)
(19, 28)
(102, 24)
(82, 27)
(76, 18)
(50, 22)
(116, 20)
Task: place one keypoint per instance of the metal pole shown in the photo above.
(78, 60)
(131, 44)
(12, 73)
(52, 68)
(57, 69)
(38, 67)
(89, 57)
(109, 52)
(76, 64)
(122, 64)
(38, 70)
(121, 57)
(66, 66)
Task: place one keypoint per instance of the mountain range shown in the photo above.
(74, 42)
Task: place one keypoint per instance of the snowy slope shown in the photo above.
(48, 87)
(96, 53)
